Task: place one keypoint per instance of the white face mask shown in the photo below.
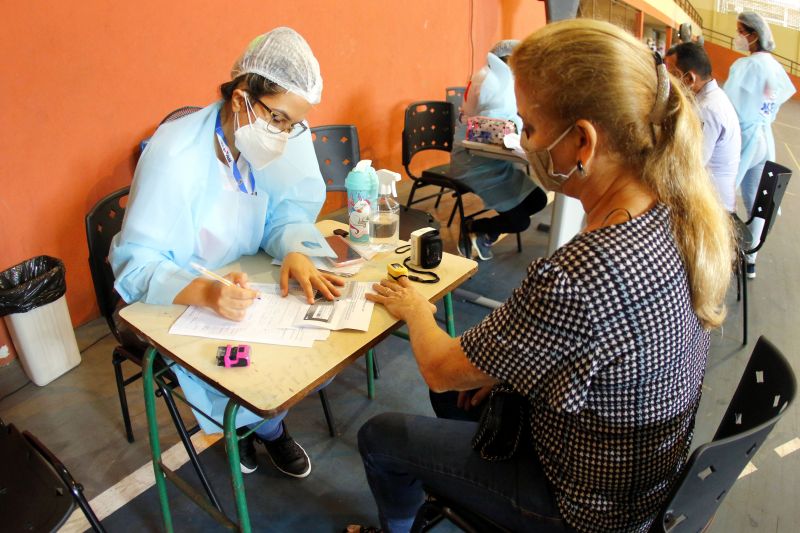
(741, 43)
(541, 161)
(258, 145)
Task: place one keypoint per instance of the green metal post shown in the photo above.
(152, 426)
(448, 313)
(371, 374)
(232, 447)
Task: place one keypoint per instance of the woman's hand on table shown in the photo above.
(400, 298)
(300, 268)
(228, 301)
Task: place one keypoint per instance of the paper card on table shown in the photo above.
(324, 265)
(351, 310)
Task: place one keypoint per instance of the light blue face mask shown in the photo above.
(541, 161)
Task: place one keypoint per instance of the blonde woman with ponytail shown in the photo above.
(607, 339)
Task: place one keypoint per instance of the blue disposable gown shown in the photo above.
(181, 209)
(757, 86)
(500, 185)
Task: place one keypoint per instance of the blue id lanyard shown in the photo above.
(226, 152)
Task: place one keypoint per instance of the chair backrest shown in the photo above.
(337, 152)
(774, 179)
(33, 498)
(172, 115)
(455, 95)
(180, 112)
(428, 125)
(765, 390)
(102, 223)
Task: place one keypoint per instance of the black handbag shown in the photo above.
(503, 425)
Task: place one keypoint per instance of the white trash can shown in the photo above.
(35, 312)
(45, 341)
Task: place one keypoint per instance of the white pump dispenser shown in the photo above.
(385, 223)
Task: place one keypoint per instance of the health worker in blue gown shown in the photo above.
(757, 86)
(239, 175)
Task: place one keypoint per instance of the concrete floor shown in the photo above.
(77, 415)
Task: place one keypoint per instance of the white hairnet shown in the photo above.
(284, 57)
(757, 22)
(504, 48)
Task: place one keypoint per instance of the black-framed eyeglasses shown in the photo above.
(278, 123)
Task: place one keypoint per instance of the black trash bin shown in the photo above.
(34, 308)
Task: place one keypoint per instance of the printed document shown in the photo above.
(289, 321)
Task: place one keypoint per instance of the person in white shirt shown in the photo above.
(722, 137)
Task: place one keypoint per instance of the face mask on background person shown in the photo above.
(541, 162)
(741, 43)
(258, 145)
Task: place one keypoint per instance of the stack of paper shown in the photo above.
(288, 321)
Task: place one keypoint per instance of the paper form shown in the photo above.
(288, 321)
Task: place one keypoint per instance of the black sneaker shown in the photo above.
(464, 241)
(288, 456)
(482, 243)
(248, 462)
(751, 271)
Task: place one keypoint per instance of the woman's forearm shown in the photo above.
(441, 360)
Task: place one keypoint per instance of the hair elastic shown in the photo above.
(662, 91)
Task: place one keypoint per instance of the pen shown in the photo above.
(213, 275)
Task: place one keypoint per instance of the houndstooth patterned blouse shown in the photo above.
(603, 340)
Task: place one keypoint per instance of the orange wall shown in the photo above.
(723, 57)
(85, 81)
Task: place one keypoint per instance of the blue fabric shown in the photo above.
(401, 453)
(500, 185)
(182, 209)
(757, 86)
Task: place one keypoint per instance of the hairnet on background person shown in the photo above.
(504, 47)
(757, 23)
(284, 57)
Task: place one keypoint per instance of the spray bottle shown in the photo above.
(385, 222)
(362, 187)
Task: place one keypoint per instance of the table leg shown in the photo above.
(232, 448)
(152, 426)
(448, 313)
(371, 374)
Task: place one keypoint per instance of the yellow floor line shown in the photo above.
(135, 483)
(787, 125)
(791, 154)
(785, 449)
(749, 468)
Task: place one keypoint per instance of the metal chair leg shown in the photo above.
(326, 408)
(116, 359)
(743, 268)
(187, 443)
(460, 206)
(439, 197)
(370, 374)
(519, 242)
(375, 370)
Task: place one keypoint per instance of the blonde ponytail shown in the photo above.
(593, 70)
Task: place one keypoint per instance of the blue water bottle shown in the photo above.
(362, 192)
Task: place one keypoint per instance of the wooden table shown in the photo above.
(568, 215)
(279, 376)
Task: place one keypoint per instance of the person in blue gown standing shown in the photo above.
(237, 176)
(757, 86)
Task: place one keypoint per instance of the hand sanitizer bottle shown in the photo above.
(361, 185)
(384, 226)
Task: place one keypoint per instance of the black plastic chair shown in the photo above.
(337, 152)
(429, 125)
(774, 180)
(102, 223)
(37, 492)
(765, 390)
